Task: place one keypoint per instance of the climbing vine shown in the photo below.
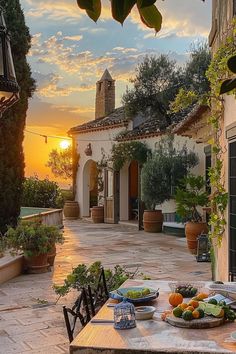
(127, 152)
(218, 71)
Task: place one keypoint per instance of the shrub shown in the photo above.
(41, 193)
(191, 195)
(33, 238)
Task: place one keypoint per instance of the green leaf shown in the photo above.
(95, 13)
(145, 3)
(151, 17)
(227, 86)
(85, 4)
(121, 9)
(232, 64)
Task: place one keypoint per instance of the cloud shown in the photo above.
(77, 37)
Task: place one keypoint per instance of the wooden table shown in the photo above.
(152, 336)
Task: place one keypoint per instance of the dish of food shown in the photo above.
(135, 294)
(185, 289)
(144, 312)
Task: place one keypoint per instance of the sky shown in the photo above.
(70, 52)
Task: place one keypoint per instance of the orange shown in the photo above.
(193, 303)
(183, 306)
(202, 296)
(195, 314)
(190, 308)
(222, 313)
(175, 299)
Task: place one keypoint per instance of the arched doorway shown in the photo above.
(133, 190)
(90, 186)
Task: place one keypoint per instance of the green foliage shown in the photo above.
(190, 196)
(156, 83)
(127, 152)
(41, 193)
(67, 194)
(120, 9)
(13, 121)
(218, 71)
(33, 238)
(229, 84)
(183, 99)
(164, 170)
(61, 163)
(82, 276)
(3, 245)
(154, 186)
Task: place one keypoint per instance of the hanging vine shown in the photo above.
(218, 71)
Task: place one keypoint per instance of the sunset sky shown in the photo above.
(69, 54)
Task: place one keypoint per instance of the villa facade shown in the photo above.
(94, 140)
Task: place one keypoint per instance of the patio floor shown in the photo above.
(30, 322)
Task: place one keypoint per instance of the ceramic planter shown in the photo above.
(98, 214)
(71, 210)
(152, 220)
(52, 255)
(192, 231)
(36, 264)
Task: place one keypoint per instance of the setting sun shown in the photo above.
(64, 144)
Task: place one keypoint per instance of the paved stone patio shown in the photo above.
(31, 322)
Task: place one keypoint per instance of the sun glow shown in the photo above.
(64, 144)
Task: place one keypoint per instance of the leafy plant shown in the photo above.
(120, 9)
(229, 84)
(3, 245)
(164, 170)
(61, 163)
(191, 196)
(127, 152)
(33, 238)
(82, 276)
(41, 193)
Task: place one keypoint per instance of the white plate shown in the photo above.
(233, 335)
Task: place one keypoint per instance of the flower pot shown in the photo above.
(71, 210)
(36, 264)
(152, 220)
(192, 231)
(98, 214)
(51, 255)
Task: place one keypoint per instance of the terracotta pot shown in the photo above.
(152, 220)
(36, 264)
(98, 214)
(192, 231)
(52, 255)
(71, 210)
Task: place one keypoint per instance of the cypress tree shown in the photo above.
(12, 122)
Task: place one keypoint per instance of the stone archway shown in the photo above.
(90, 187)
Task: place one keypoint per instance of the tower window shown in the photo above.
(100, 86)
(109, 84)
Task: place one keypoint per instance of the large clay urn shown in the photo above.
(152, 220)
(52, 255)
(98, 214)
(36, 264)
(71, 210)
(192, 231)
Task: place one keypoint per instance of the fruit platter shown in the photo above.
(198, 312)
(134, 294)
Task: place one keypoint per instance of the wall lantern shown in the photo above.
(9, 89)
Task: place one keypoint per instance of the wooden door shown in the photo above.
(141, 205)
(111, 197)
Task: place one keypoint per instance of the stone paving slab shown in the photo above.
(29, 327)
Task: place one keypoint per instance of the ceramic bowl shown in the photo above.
(144, 312)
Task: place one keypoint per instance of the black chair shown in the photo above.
(81, 310)
(100, 295)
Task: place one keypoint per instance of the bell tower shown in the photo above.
(105, 95)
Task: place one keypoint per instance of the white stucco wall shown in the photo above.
(102, 141)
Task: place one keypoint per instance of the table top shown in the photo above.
(152, 336)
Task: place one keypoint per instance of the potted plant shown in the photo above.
(35, 241)
(155, 190)
(189, 198)
(55, 236)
